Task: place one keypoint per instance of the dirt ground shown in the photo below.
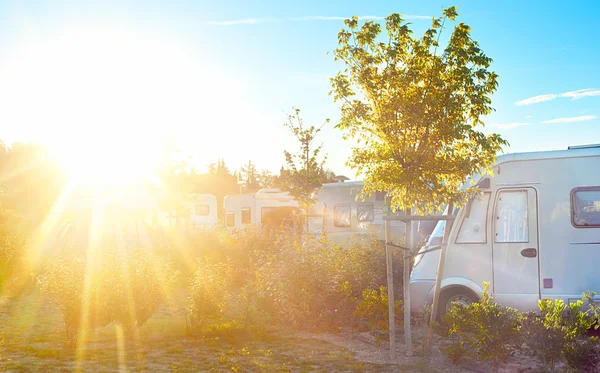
(31, 339)
(368, 349)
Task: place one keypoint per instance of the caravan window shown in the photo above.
(365, 212)
(246, 216)
(511, 218)
(202, 210)
(473, 228)
(230, 218)
(341, 215)
(585, 207)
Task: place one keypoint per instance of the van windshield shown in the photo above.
(437, 236)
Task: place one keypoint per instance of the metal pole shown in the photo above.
(406, 288)
(438, 280)
(390, 289)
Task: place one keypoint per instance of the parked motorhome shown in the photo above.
(198, 212)
(269, 206)
(533, 233)
(341, 214)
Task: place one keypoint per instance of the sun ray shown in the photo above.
(121, 356)
(92, 255)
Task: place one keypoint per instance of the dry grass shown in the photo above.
(32, 340)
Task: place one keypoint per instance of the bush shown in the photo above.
(274, 276)
(484, 329)
(584, 355)
(318, 284)
(96, 290)
(208, 291)
(373, 310)
(13, 247)
(557, 332)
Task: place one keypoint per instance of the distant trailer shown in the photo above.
(197, 212)
(269, 206)
(118, 221)
(341, 214)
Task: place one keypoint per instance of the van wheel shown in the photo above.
(462, 296)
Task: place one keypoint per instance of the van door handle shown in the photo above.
(529, 252)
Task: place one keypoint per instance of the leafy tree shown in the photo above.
(414, 112)
(220, 182)
(30, 180)
(304, 173)
(249, 177)
(266, 179)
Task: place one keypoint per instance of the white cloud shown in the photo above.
(570, 119)
(588, 92)
(254, 21)
(246, 21)
(513, 125)
(536, 99)
(573, 95)
(529, 116)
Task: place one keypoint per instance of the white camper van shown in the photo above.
(341, 215)
(199, 212)
(533, 233)
(269, 206)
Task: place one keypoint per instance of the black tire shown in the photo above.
(459, 295)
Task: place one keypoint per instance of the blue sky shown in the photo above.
(242, 64)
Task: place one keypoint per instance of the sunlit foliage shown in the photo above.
(413, 107)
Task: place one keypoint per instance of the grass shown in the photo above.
(32, 340)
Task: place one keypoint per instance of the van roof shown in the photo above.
(572, 152)
(344, 184)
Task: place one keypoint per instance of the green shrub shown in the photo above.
(93, 291)
(557, 331)
(273, 276)
(208, 291)
(373, 310)
(13, 247)
(484, 330)
(317, 284)
(584, 355)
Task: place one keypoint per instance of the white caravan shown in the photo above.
(341, 214)
(533, 233)
(269, 206)
(118, 220)
(199, 212)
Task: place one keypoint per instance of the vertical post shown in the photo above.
(438, 280)
(390, 289)
(406, 289)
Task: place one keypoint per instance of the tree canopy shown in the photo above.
(414, 108)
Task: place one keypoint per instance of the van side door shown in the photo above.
(515, 250)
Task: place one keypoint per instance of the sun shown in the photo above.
(104, 97)
(107, 160)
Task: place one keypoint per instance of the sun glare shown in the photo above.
(105, 97)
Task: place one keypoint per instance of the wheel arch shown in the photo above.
(455, 283)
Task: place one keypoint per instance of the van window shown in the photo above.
(246, 215)
(365, 212)
(202, 210)
(230, 218)
(585, 207)
(511, 218)
(473, 228)
(341, 215)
